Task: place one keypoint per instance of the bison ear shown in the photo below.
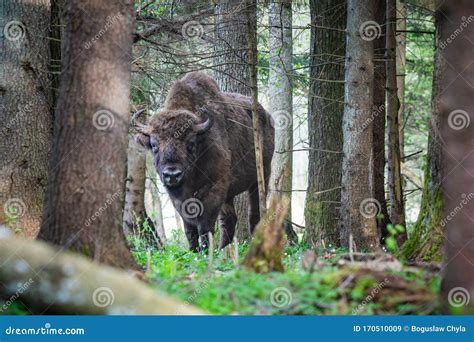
(143, 140)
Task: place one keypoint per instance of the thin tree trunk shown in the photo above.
(280, 88)
(426, 238)
(84, 199)
(457, 118)
(25, 112)
(325, 111)
(256, 124)
(157, 207)
(397, 208)
(358, 209)
(232, 75)
(401, 62)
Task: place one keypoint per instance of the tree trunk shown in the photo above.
(456, 118)
(378, 114)
(26, 114)
(401, 62)
(397, 208)
(426, 237)
(157, 207)
(281, 106)
(232, 75)
(325, 111)
(84, 199)
(358, 209)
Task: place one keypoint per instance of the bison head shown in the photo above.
(175, 140)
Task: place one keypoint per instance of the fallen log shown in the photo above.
(51, 281)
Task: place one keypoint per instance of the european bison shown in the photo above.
(203, 151)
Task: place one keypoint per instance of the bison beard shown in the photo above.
(203, 151)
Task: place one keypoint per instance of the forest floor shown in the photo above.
(329, 282)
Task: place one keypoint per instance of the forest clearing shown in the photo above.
(237, 157)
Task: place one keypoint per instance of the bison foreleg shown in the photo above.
(227, 222)
(192, 236)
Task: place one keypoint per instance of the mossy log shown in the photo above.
(50, 281)
(266, 249)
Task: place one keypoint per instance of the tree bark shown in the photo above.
(280, 89)
(52, 282)
(401, 62)
(358, 209)
(26, 114)
(84, 199)
(232, 75)
(456, 119)
(397, 208)
(325, 111)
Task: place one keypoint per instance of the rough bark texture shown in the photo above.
(232, 75)
(456, 122)
(265, 253)
(426, 237)
(280, 90)
(51, 282)
(401, 62)
(397, 208)
(25, 113)
(84, 199)
(378, 114)
(325, 111)
(358, 211)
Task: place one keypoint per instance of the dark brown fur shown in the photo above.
(222, 162)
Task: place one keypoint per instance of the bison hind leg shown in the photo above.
(227, 222)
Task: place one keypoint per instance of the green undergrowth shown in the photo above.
(326, 284)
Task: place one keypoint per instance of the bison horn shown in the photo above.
(145, 129)
(206, 125)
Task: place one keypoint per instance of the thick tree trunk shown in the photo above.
(457, 118)
(397, 208)
(25, 112)
(358, 210)
(426, 237)
(232, 75)
(325, 111)
(84, 199)
(378, 114)
(281, 105)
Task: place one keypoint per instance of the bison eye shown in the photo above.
(191, 147)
